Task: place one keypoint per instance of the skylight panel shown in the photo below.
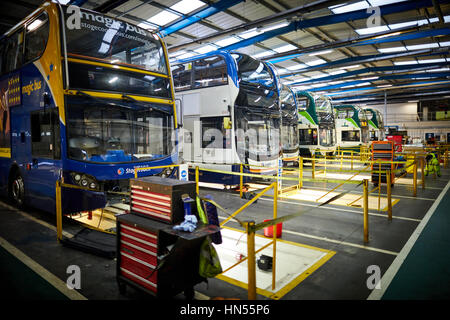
(315, 62)
(402, 63)
(371, 30)
(186, 55)
(263, 54)
(423, 46)
(227, 41)
(187, 6)
(392, 49)
(336, 72)
(206, 48)
(163, 18)
(146, 26)
(350, 7)
(439, 70)
(285, 48)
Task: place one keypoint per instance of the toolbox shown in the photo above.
(160, 198)
(383, 151)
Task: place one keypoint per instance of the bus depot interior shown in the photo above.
(311, 149)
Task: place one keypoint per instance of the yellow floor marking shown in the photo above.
(311, 259)
(41, 271)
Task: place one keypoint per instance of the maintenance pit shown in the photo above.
(320, 255)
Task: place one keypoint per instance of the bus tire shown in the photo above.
(17, 190)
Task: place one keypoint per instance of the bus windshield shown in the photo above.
(95, 36)
(103, 130)
(253, 72)
(289, 136)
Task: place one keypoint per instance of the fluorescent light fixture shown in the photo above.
(301, 87)
(432, 61)
(402, 63)
(385, 86)
(63, 1)
(403, 24)
(423, 46)
(362, 84)
(336, 72)
(227, 41)
(282, 71)
(297, 66)
(320, 52)
(377, 3)
(318, 76)
(315, 62)
(444, 43)
(187, 6)
(263, 54)
(285, 48)
(413, 101)
(250, 33)
(392, 49)
(351, 67)
(439, 70)
(205, 49)
(163, 18)
(318, 85)
(370, 78)
(350, 7)
(335, 82)
(371, 30)
(276, 26)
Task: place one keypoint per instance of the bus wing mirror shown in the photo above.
(179, 111)
(46, 98)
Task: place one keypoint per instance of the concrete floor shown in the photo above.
(336, 228)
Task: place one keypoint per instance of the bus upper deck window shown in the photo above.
(13, 51)
(36, 37)
(210, 72)
(181, 74)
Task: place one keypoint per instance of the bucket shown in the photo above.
(268, 231)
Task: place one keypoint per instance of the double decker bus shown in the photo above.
(230, 109)
(351, 126)
(376, 125)
(289, 126)
(86, 99)
(316, 124)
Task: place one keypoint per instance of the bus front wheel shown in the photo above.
(17, 190)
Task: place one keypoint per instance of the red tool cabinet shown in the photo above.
(151, 256)
(383, 151)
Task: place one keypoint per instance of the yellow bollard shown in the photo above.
(197, 180)
(274, 252)
(300, 173)
(251, 260)
(422, 169)
(313, 165)
(58, 211)
(241, 180)
(389, 195)
(366, 210)
(415, 179)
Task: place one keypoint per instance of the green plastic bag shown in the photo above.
(201, 212)
(209, 264)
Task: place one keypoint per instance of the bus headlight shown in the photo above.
(84, 180)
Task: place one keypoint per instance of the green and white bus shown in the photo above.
(352, 129)
(376, 125)
(316, 124)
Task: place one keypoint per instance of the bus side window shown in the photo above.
(210, 72)
(182, 76)
(214, 134)
(45, 140)
(13, 51)
(36, 38)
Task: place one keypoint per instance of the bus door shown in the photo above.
(43, 170)
(190, 106)
(216, 139)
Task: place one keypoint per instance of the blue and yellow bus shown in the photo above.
(86, 99)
